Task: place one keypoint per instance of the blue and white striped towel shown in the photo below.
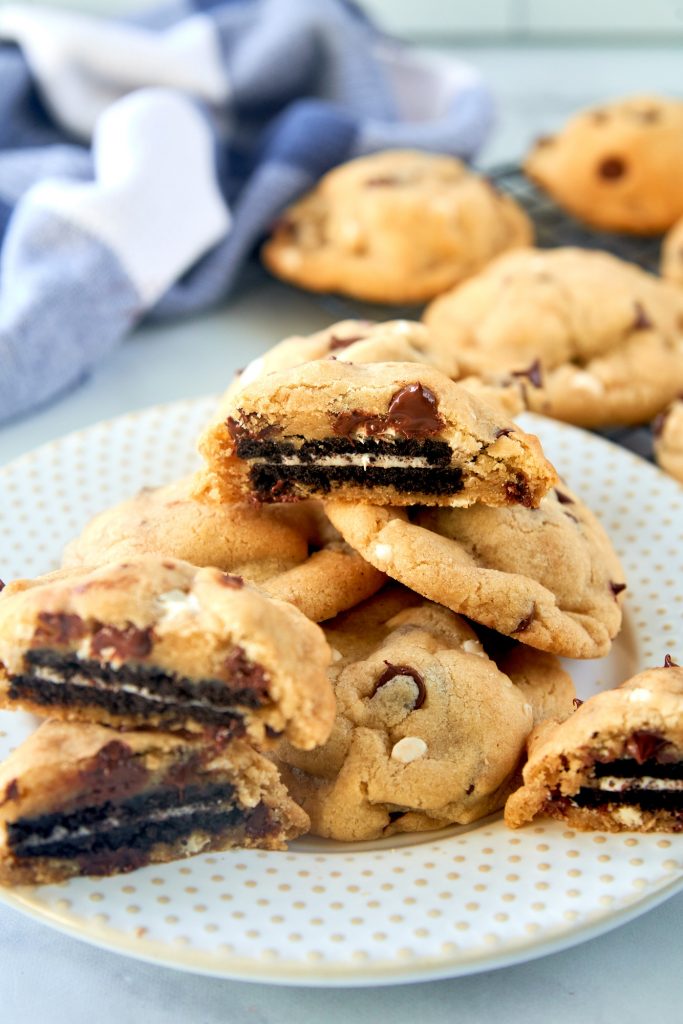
(140, 162)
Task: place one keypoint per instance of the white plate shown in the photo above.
(447, 903)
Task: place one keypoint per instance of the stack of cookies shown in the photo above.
(191, 695)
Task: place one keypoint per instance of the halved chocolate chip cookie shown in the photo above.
(159, 643)
(87, 800)
(387, 433)
(615, 765)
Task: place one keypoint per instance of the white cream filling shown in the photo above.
(60, 832)
(87, 682)
(645, 783)
(364, 460)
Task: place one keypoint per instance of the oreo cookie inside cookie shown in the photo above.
(53, 678)
(397, 449)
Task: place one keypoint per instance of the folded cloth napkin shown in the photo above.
(141, 161)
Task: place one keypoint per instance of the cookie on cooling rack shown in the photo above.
(390, 433)
(429, 731)
(158, 643)
(597, 341)
(547, 576)
(88, 800)
(396, 227)
(292, 552)
(616, 166)
(615, 765)
(668, 439)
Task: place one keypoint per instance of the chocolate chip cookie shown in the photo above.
(396, 433)
(668, 439)
(158, 643)
(595, 340)
(615, 765)
(616, 166)
(396, 227)
(429, 731)
(293, 553)
(88, 800)
(546, 576)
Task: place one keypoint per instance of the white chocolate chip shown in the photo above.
(336, 655)
(251, 372)
(640, 695)
(584, 381)
(410, 748)
(473, 647)
(383, 552)
(178, 602)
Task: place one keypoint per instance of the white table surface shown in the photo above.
(631, 974)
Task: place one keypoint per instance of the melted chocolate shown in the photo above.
(392, 671)
(611, 168)
(243, 674)
(59, 628)
(129, 642)
(113, 774)
(518, 491)
(250, 426)
(642, 745)
(413, 412)
(669, 662)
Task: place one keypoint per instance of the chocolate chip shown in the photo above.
(641, 320)
(524, 623)
(382, 180)
(611, 168)
(11, 791)
(517, 490)
(392, 671)
(273, 734)
(284, 225)
(233, 582)
(532, 373)
(503, 432)
(113, 774)
(564, 499)
(395, 815)
(642, 745)
(337, 343)
(2, 586)
(616, 588)
(470, 789)
(125, 643)
(669, 662)
(577, 702)
(413, 412)
(658, 423)
(59, 628)
(243, 674)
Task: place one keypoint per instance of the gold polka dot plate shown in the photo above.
(438, 905)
